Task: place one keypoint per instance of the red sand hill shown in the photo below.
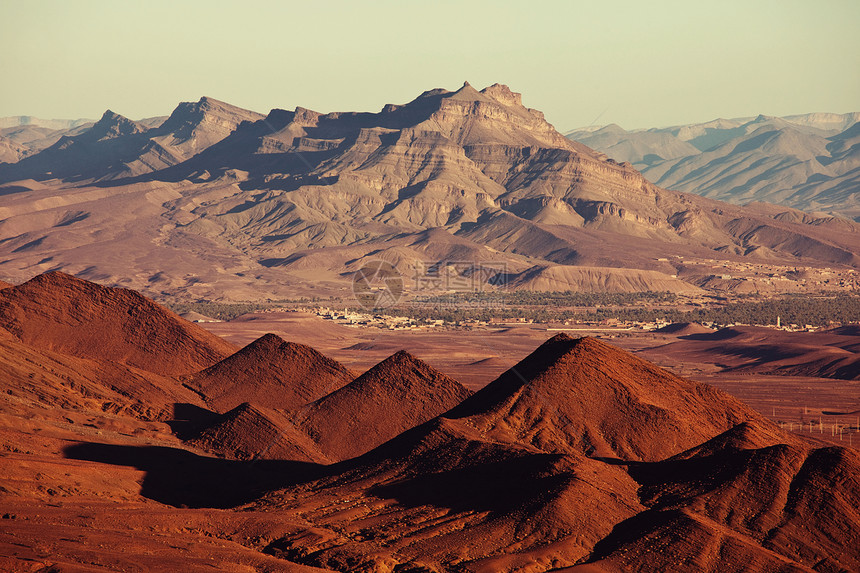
(397, 394)
(249, 432)
(445, 497)
(56, 311)
(581, 458)
(782, 506)
(4, 284)
(55, 384)
(587, 396)
(271, 373)
(500, 483)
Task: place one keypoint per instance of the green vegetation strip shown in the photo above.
(577, 307)
(548, 307)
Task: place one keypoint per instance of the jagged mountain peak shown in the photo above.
(217, 118)
(467, 92)
(503, 94)
(112, 125)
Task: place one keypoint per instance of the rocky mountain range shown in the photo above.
(808, 162)
(24, 135)
(219, 202)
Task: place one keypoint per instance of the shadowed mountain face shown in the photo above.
(807, 162)
(116, 146)
(21, 136)
(217, 195)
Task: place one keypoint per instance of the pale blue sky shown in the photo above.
(638, 64)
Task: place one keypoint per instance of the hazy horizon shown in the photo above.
(636, 65)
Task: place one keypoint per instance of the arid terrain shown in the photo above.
(135, 440)
(220, 203)
(310, 431)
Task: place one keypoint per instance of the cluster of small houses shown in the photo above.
(384, 321)
(350, 318)
(361, 319)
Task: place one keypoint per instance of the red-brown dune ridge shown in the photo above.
(684, 329)
(251, 432)
(588, 396)
(56, 311)
(828, 354)
(397, 394)
(511, 480)
(270, 372)
(582, 457)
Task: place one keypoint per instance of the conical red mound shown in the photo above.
(59, 312)
(746, 436)
(250, 432)
(587, 396)
(272, 373)
(397, 394)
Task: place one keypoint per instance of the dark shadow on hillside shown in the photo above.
(189, 419)
(722, 334)
(632, 530)
(12, 189)
(183, 479)
(500, 486)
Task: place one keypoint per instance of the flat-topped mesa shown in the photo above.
(397, 394)
(306, 117)
(503, 94)
(494, 115)
(272, 373)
